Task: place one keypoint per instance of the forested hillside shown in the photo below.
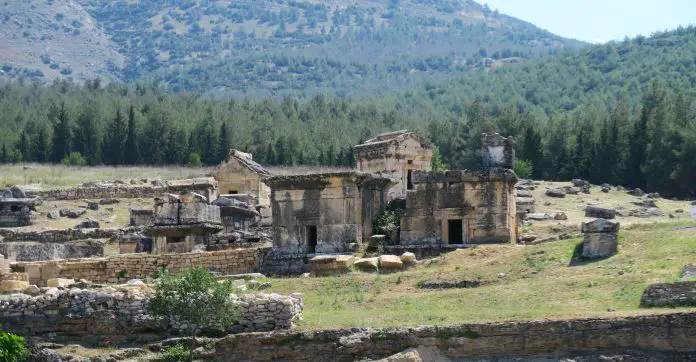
(260, 48)
(619, 113)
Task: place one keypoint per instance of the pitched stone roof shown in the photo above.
(248, 162)
(392, 137)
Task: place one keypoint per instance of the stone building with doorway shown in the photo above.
(240, 174)
(464, 206)
(326, 212)
(396, 155)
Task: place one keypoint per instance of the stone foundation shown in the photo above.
(119, 313)
(122, 191)
(32, 251)
(500, 341)
(124, 267)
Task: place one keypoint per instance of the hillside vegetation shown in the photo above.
(269, 47)
(631, 123)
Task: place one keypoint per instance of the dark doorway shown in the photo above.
(456, 234)
(311, 239)
(409, 180)
(233, 192)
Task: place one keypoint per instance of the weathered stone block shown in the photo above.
(408, 258)
(600, 226)
(680, 294)
(600, 212)
(599, 245)
(13, 286)
(59, 282)
(367, 264)
(557, 193)
(390, 262)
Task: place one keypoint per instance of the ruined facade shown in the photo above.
(325, 213)
(181, 223)
(239, 174)
(15, 208)
(396, 155)
(464, 207)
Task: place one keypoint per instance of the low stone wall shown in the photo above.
(120, 268)
(282, 261)
(63, 236)
(33, 251)
(680, 294)
(119, 313)
(117, 191)
(666, 333)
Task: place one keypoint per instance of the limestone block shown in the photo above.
(50, 270)
(60, 282)
(32, 290)
(390, 262)
(556, 193)
(600, 212)
(13, 286)
(409, 355)
(599, 245)
(16, 276)
(367, 264)
(408, 258)
(600, 226)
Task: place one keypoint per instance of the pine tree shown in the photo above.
(113, 147)
(24, 147)
(41, 145)
(86, 138)
(62, 137)
(132, 150)
(224, 143)
(4, 156)
(532, 151)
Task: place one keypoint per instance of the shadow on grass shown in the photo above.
(578, 260)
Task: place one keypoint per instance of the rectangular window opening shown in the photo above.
(233, 192)
(455, 231)
(409, 180)
(311, 239)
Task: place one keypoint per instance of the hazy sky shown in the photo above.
(600, 20)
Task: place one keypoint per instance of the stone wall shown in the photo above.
(285, 261)
(63, 236)
(120, 268)
(116, 191)
(119, 313)
(680, 294)
(666, 333)
(34, 251)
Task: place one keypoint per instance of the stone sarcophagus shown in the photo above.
(498, 151)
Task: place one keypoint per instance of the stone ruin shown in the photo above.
(498, 151)
(182, 222)
(601, 238)
(16, 208)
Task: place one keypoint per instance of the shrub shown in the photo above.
(74, 159)
(13, 348)
(194, 160)
(524, 168)
(178, 353)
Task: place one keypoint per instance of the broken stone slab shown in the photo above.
(524, 193)
(646, 212)
(92, 205)
(580, 183)
(688, 272)
(600, 212)
(453, 284)
(325, 265)
(636, 192)
(59, 282)
(654, 195)
(647, 203)
(367, 264)
(679, 294)
(409, 355)
(600, 226)
(108, 201)
(13, 286)
(539, 216)
(390, 262)
(558, 193)
(53, 215)
(32, 290)
(528, 238)
(87, 224)
(17, 192)
(72, 213)
(572, 191)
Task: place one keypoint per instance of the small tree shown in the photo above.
(196, 300)
(12, 347)
(74, 159)
(524, 169)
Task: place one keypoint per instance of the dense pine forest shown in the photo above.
(620, 113)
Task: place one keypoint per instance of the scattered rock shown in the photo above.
(547, 203)
(528, 238)
(59, 282)
(17, 192)
(409, 355)
(87, 224)
(572, 191)
(108, 201)
(611, 309)
(605, 189)
(689, 271)
(636, 192)
(600, 226)
(6, 194)
(646, 212)
(92, 205)
(408, 258)
(539, 216)
(560, 216)
(53, 215)
(600, 212)
(644, 203)
(453, 284)
(679, 211)
(73, 214)
(367, 264)
(44, 355)
(654, 195)
(558, 193)
(501, 275)
(32, 290)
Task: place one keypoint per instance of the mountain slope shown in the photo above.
(272, 47)
(50, 39)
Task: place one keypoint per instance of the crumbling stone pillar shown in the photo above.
(601, 238)
(498, 151)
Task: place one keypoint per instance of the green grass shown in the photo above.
(539, 283)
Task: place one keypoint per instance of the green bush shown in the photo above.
(524, 169)
(13, 348)
(74, 159)
(177, 353)
(194, 160)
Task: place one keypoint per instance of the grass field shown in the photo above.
(540, 282)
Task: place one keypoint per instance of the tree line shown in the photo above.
(645, 144)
